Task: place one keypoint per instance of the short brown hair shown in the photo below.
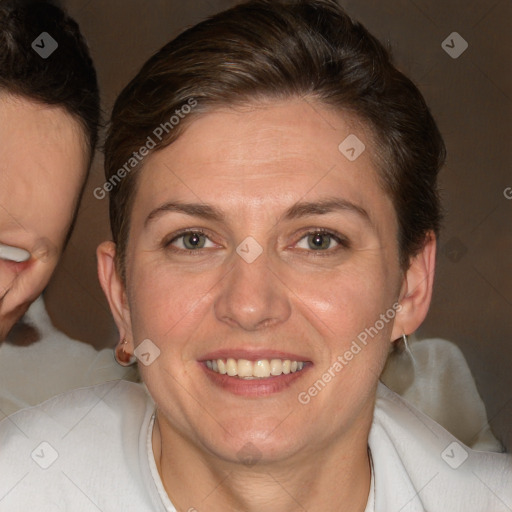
(266, 49)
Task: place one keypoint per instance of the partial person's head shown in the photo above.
(49, 111)
(273, 195)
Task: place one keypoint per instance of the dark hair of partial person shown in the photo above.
(66, 78)
(265, 50)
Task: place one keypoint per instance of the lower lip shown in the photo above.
(257, 388)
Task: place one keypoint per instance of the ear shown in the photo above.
(114, 289)
(416, 291)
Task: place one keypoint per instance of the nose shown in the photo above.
(252, 296)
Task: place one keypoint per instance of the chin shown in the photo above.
(250, 444)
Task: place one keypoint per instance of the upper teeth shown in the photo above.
(246, 369)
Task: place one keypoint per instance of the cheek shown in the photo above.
(346, 299)
(332, 307)
(166, 304)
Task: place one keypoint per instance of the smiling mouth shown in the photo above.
(249, 370)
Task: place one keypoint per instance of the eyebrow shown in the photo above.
(327, 205)
(296, 211)
(205, 211)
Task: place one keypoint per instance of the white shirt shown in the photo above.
(434, 376)
(52, 365)
(90, 450)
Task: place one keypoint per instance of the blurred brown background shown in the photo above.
(470, 97)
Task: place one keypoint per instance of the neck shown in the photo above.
(335, 477)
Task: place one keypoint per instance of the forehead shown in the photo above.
(43, 162)
(265, 155)
(39, 129)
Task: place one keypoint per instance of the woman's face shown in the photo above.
(43, 164)
(253, 237)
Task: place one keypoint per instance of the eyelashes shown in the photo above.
(197, 235)
(317, 237)
(195, 241)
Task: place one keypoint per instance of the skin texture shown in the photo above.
(253, 164)
(43, 163)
